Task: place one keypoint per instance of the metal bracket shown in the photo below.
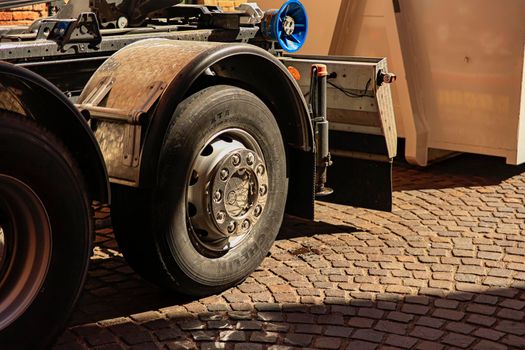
(252, 13)
(133, 119)
(64, 32)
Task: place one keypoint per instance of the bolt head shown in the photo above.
(232, 226)
(236, 159)
(257, 211)
(250, 159)
(224, 174)
(260, 169)
(246, 224)
(263, 190)
(220, 217)
(217, 196)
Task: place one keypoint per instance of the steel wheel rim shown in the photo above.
(25, 248)
(227, 191)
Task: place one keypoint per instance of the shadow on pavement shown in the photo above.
(465, 170)
(120, 310)
(294, 227)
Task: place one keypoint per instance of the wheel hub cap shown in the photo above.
(228, 190)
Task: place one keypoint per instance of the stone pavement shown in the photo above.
(444, 270)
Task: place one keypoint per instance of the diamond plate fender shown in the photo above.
(142, 85)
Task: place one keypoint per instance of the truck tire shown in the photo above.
(219, 199)
(45, 234)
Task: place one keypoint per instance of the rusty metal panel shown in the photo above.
(123, 91)
(137, 67)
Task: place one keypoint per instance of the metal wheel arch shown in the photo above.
(34, 98)
(247, 67)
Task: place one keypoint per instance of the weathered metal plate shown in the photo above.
(138, 74)
(140, 65)
(355, 102)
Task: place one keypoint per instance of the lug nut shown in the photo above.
(220, 217)
(250, 159)
(260, 169)
(232, 226)
(263, 190)
(236, 159)
(257, 211)
(224, 174)
(217, 196)
(246, 225)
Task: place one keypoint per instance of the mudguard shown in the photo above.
(27, 94)
(132, 96)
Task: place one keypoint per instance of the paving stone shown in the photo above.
(430, 322)
(302, 340)
(248, 346)
(481, 320)
(400, 316)
(277, 327)
(481, 309)
(415, 309)
(361, 345)
(512, 340)
(308, 328)
(368, 335)
(232, 336)
(426, 345)
(400, 341)
(488, 333)
(212, 346)
(300, 318)
(391, 327)
(489, 345)
(426, 333)
(459, 340)
(360, 322)
(511, 314)
(168, 334)
(264, 337)
(136, 338)
(515, 328)
(338, 331)
(327, 343)
(204, 335)
(249, 325)
(144, 346)
(448, 314)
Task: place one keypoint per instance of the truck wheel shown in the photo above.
(220, 195)
(45, 234)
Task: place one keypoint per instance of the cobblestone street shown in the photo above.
(444, 270)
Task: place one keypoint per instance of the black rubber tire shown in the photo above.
(156, 243)
(35, 157)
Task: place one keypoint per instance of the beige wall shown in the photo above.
(322, 17)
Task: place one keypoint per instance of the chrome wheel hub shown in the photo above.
(227, 190)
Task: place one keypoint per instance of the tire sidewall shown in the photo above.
(194, 123)
(42, 163)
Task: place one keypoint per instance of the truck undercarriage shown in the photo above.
(208, 128)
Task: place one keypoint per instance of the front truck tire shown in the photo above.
(219, 200)
(45, 234)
